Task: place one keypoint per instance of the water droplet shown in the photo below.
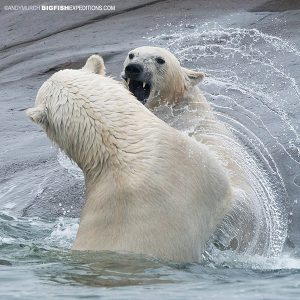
(297, 180)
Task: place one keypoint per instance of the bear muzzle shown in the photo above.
(138, 81)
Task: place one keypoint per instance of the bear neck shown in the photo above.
(109, 143)
(191, 97)
(174, 90)
(98, 152)
(196, 101)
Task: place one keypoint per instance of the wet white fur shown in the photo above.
(176, 87)
(149, 188)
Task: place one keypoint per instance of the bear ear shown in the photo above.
(193, 76)
(37, 114)
(95, 64)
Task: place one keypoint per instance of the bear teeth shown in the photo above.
(144, 84)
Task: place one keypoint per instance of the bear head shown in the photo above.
(154, 76)
(65, 114)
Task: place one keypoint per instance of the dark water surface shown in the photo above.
(250, 52)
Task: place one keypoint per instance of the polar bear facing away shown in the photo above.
(156, 78)
(149, 188)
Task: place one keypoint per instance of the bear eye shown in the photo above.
(160, 60)
(131, 55)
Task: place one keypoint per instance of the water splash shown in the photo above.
(255, 96)
(69, 165)
(63, 233)
(285, 261)
(59, 233)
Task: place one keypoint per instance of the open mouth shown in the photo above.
(140, 89)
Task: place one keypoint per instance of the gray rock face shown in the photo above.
(248, 49)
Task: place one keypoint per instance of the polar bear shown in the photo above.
(156, 78)
(150, 189)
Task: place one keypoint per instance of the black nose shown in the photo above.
(133, 69)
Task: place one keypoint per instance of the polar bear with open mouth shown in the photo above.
(150, 189)
(156, 78)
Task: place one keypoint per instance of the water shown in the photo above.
(245, 97)
(35, 258)
(251, 91)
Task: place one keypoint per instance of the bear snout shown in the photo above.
(133, 70)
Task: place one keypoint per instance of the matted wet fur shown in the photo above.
(175, 98)
(150, 189)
